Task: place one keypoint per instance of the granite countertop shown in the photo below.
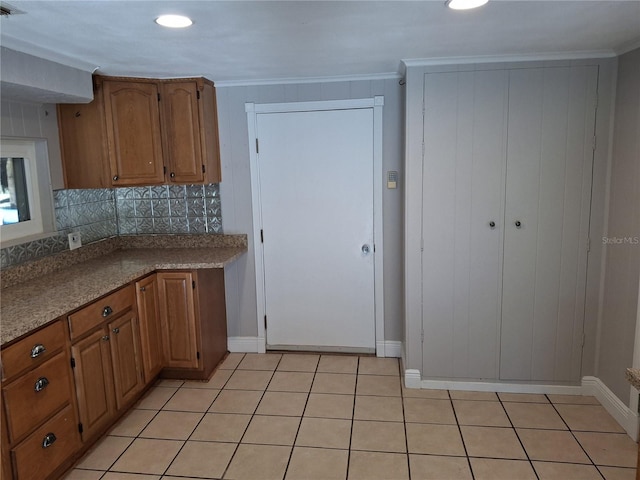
(32, 304)
(633, 377)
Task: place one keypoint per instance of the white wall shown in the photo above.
(235, 189)
(622, 261)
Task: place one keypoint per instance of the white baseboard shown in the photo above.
(389, 348)
(244, 344)
(412, 378)
(627, 418)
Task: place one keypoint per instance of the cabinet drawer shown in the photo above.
(36, 395)
(48, 447)
(33, 350)
(104, 309)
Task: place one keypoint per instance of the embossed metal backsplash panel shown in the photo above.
(104, 213)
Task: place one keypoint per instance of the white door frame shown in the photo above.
(376, 103)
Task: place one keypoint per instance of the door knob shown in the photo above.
(518, 224)
(366, 249)
(492, 224)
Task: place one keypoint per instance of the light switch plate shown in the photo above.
(74, 240)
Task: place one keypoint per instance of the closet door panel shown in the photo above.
(462, 187)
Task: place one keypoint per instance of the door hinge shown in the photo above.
(261, 236)
(193, 284)
(164, 169)
(158, 96)
(583, 339)
(198, 94)
(588, 244)
(265, 322)
(257, 146)
(422, 149)
(422, 244)
(595, 139)
(422, 335)
(202, 168)
(73, 362)
(80, 429)
(198, 355)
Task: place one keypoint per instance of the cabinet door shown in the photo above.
(94, 382)
(181, 131)
(177, 315)
(133, 133)
(150, 327)
(548, 191)
(125, 355)
(463, 181)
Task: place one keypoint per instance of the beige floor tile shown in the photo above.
(104, 453)
(471, 395)
(378, 466)
(534, 415)
(609, 449)
(192, 400)
(328, 405)
(221, 427)
(338, 364)
(217, 381)
(148, 456)
(589, 418)
(282, 403)
(378, 366)
(129, 476)
(428, 410)
(167, 382)
(156, 397)
(260, 361)
(492, 442)
(291, 382)
(434, 439)
(425, 393)
(334, 383)
(378, 408)
(381, 385)
(552, 446)
(172, 425)
(258, 462)
(248, 380)
(296, 362)
(523, 397)
(133, 423)
(565, 471)
(79, 474)
(202, 459)
(378, 436)
(231, 361)
(617, 473)
(492, 469)
(487, 414)
(574, 399)
(431, 467)
(267, 430)
(236, 401)
(324, 432)
(317, 464)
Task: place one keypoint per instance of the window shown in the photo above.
(24, 188)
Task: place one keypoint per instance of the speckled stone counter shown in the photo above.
(31, 304)
(633, 377)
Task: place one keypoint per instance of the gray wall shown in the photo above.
(235, 189)
(622, 250)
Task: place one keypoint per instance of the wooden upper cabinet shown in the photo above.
(140, 131)
(133, 133)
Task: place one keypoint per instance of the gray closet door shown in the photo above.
(549, 172)
(463, 190)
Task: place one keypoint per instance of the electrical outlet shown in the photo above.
(74, 240)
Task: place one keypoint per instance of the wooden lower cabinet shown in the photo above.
(150, 328)
(124, 341)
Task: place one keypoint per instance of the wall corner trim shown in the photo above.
(627, 418)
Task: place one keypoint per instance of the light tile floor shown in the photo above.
(299, 416)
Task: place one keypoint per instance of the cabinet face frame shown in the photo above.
(150, 326)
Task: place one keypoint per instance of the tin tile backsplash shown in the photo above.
(104, 213)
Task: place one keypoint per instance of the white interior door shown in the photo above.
(316, 195)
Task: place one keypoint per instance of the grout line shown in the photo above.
(404, 422)
(518, 436)
(353, 416)
(464, 445)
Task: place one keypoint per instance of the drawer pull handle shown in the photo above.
(106, 311)
(37, 350)
(49, 439)
(105, 338)
(41, 384)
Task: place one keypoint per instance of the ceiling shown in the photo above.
(248, 41)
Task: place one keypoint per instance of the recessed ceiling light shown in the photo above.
(174, 21)
(464, 4)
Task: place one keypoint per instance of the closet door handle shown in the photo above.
(518, 224)
(492, 224)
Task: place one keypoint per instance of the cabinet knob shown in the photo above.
(143, 289)
(172, 175)
(106, 311)
(48, 440)
(105, 338)
(41, 384)
(116, 330)
(115, 178)
(492, 224)
(518, 224)
(37, 350)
